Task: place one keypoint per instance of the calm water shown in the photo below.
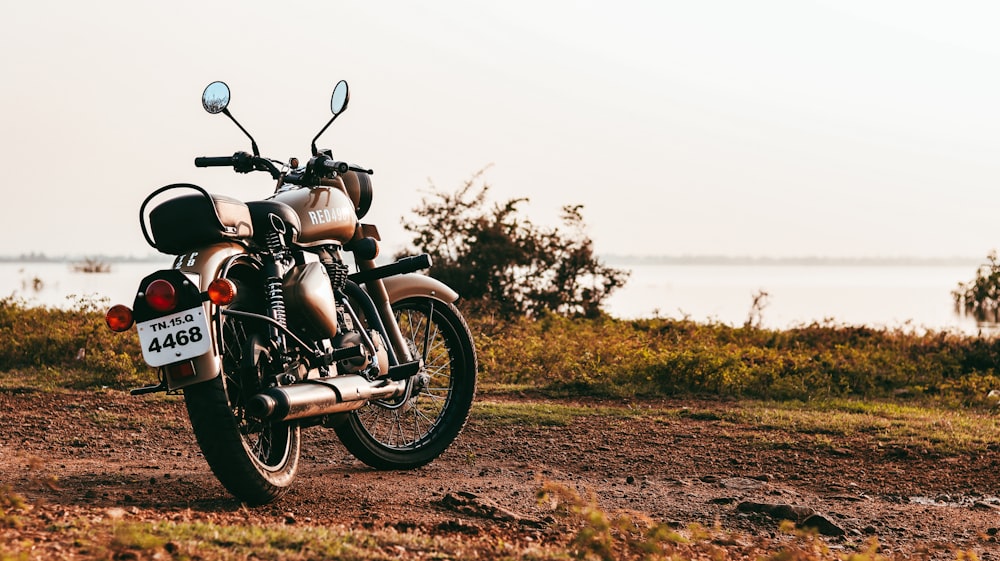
(893, 296)
(917, 296)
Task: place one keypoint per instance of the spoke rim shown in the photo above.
(411, 426)
(262, 439)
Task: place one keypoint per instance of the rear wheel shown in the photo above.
(406, 434)
(254, 460)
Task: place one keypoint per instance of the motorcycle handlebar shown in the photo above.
(213, 161)
(339, 167)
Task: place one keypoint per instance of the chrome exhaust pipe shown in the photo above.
(318, 397)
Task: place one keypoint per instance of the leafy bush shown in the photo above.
(980, 298)
(500, 261)
(665, 357)
(600, 356)
(75, 342)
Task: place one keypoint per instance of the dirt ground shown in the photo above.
(136, 456)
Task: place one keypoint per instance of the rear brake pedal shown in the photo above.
(161, 387)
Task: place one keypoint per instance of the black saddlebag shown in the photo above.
(188, 222)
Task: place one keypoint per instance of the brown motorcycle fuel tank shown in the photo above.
(326, 214)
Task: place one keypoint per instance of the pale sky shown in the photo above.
(725, 127)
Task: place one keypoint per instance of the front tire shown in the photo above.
(256, 461)
(395, 435)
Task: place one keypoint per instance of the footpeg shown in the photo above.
(402, 371)
(337, 355)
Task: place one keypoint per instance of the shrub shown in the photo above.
(665, 357)
(74, 342)
(500, 261)
(980, 298)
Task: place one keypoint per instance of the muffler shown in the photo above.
(323, 396)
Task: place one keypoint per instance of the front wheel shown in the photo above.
(403, 435)
(254, 460)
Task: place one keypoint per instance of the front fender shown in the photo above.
(400, 287)
(207, 264)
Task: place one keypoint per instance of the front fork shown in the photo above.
(380, 297)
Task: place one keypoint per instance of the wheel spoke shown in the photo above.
(402, 434)
(265, 440)
(415, 421)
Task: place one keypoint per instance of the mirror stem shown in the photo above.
(253, 143)
(315, 138)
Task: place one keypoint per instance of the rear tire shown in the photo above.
(421, 429)
(256, 461)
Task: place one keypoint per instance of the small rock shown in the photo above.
(777, 511)
(722, 500)
(790, 512)
(630, 480)
(749, 506)
(741, 483)
(115, 513)
(472, 505)
(823, 525)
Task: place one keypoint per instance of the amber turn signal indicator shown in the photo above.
(161, 296)
(222, 292)
(119, 318)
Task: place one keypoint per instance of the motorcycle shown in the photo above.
(263, 327)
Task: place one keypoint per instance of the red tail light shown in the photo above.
(119, 318)
(180, 370)
(161, 296)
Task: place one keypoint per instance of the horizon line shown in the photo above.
(610, 259)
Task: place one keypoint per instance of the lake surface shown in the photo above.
(914, 296)
(891, 295)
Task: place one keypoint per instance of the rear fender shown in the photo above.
(205, 264)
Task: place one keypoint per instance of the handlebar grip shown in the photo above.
(339, 167)
(213, 161)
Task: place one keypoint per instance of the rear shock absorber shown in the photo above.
(276, 245)
(276, 300)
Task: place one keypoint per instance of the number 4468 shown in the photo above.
(172, 340)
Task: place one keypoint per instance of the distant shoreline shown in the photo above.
(624, 260)
(610, 259)
(111, 259)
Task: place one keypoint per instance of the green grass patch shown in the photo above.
(46, 349)
(662, 357)
(930, 428)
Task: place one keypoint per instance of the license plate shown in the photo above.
(173, 338)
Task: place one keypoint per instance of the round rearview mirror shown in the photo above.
(215, 98)
(340, 96)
